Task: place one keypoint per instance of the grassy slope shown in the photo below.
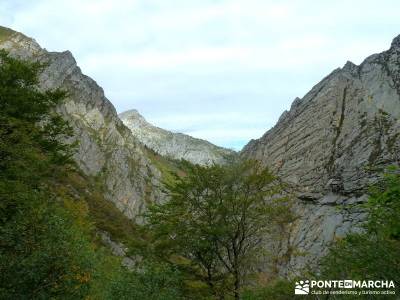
(102, 213)
(5, 33)
(167, 166)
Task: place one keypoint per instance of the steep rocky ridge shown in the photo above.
(174, 145)
(331, 145)
(107, 151)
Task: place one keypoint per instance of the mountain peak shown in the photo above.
(132, 114)
(18, 43)
(174, 145)
(396, 43)
(8, 33)
(350, 67)
(5, 33)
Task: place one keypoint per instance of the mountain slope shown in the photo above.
(329, 147)
(174, 145)
(107, 152)
(332, 144)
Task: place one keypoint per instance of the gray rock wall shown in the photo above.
(331, 145)
(106, 151)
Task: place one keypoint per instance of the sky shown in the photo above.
(221, 70)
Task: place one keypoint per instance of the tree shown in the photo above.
(218, 219)
(154, 282)
(44, 251)
(383, 206)
(48, 247)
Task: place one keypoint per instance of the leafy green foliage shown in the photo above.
(216, 221)
(201, 244)
(158, 282)
(167, 166)
(384, 207)
(43, 251)
(360, 256)
(48, 249)
(276, 290)
(44, 254)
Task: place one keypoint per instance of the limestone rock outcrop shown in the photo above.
(331, 145)
(174, 145)
(107, 151)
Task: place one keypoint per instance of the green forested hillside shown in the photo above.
(205, 242)
(49, 212)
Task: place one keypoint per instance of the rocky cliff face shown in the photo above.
(331, 145)
(107, 151)
(174, 145)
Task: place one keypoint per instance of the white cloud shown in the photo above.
(239, 62)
